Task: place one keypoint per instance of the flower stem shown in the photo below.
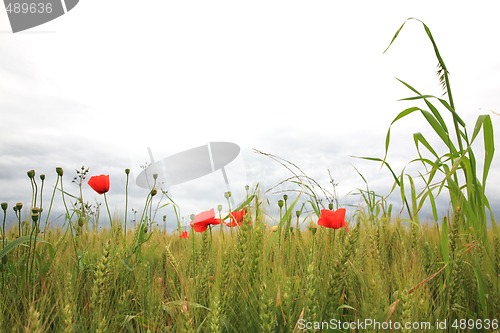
(126, 208)
(70, 224)
(50, 207)
(109, 213)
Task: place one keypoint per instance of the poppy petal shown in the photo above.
(100, 183)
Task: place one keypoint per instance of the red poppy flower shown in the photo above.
(236, 218)
(100, 183)
(333, 219)
(184, 234)
(203, 220)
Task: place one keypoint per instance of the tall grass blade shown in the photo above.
(11, 245)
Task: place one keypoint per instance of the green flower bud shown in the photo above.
(19, 205)
(155, 176)
(42, 177)
(34, 214)
(153, 192)
(280, 203)
(297, 213)
(285, 197)
(4, 206)
(330, 206)
(59, 171)
(219, 208)
(227, 194)
(127, 171)
(31, 174)
(247, 187)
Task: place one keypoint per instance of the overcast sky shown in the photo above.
(304, 80)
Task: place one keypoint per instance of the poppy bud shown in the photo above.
(155, 176)
(4, 206)
(59, 171)
(31, 174)
(330, 206)
(127, 171)
(219, 208)
(227, 194)
(247, 187)
(80, 221)
(19, 205)
(153, 192)
(164, 218)
(285, 197)
(34, 214)
(42, 177)
(313, 230)
(280, 203)
(297, 213)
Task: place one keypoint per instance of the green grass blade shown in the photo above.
(291, 210)
(396, 35)
(480, 288)
(453, 112)
(419, 138)
(484, 122)
(384, 163)
(409, 87)
(11, 245)
(439, 130)
(427, 193)
(241, 205)
(414, 206)
(444, 246)
(437, 114)
(401, 115)
(433, 109)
